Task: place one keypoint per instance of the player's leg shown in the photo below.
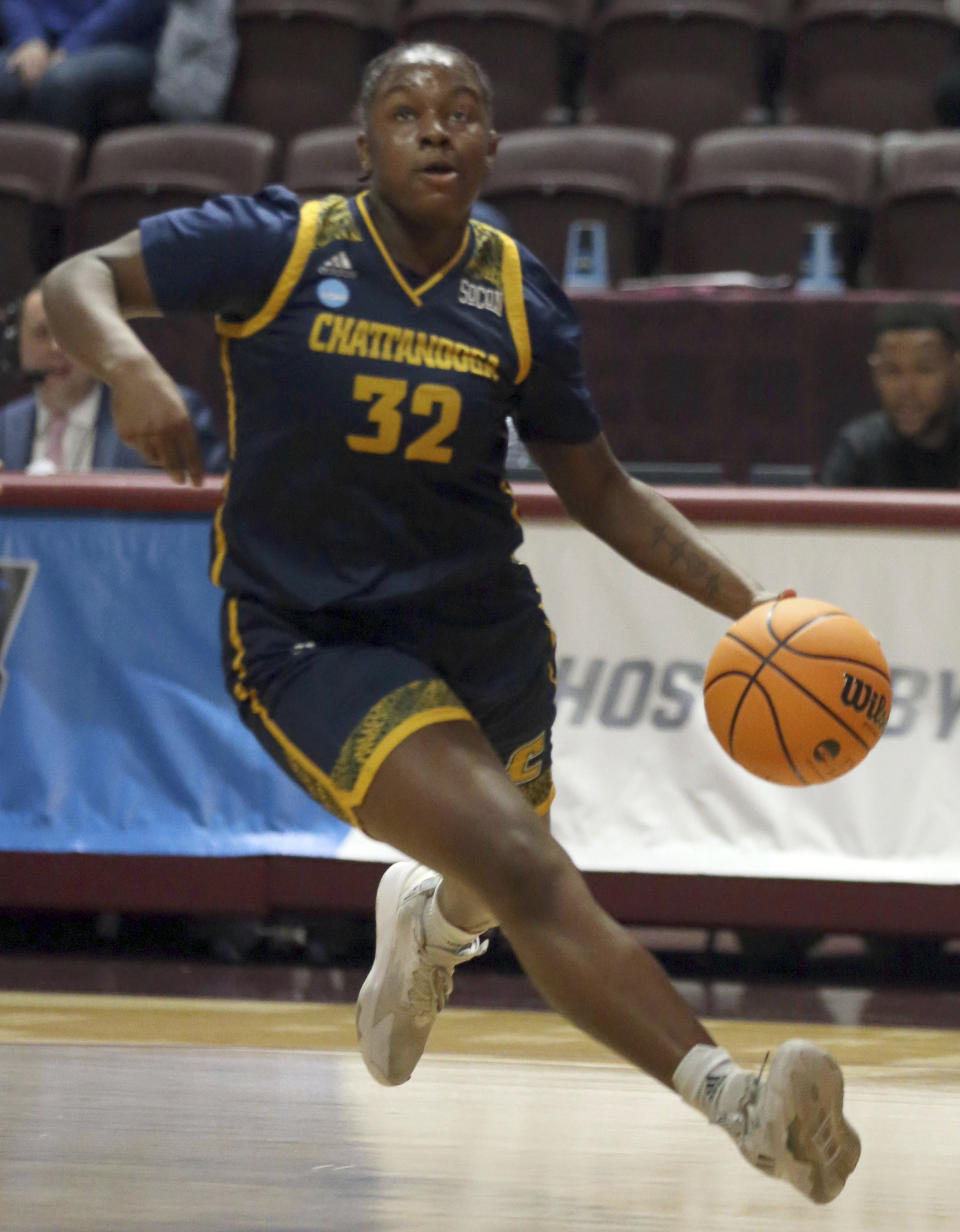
(463, 907)
(443, 798)
(326, 704)
(367, 732)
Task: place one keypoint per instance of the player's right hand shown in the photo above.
(151, 416)
(767, 596)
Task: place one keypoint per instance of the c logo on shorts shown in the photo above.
(526, 763)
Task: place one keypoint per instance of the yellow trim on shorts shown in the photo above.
(227, 370)
(299, 255)
(317, 782)
(413, 292)
(516, 309)
(442, 714)
(543, 808)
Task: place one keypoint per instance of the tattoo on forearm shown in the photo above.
(680, 554)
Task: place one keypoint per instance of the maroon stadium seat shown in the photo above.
(38, 168)
(747, 195)
(544, 179)
(145, 170)
(916, 234)
(870, 65)
(519, 43)
(300, 62)
(677, 66)
(322, 162)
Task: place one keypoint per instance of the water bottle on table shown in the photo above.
(821, 265)
(586, 267)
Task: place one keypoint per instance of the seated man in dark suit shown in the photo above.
(64, 426)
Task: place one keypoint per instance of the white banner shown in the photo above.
(642, 786)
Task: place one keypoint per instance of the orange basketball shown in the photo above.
(797, 691)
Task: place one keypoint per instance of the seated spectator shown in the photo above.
(65, 425)
(66, 62)
(913, 441)
(195, 62)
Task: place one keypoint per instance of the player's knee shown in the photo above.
(528, 866)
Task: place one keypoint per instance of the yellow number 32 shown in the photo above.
(388, 397)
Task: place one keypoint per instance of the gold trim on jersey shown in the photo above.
(516, 310)
(219, 537)
(383, 728)
(336, 222)
(227, 371)
(486, 260)
(299, 255)
(511, 278)
(414, 293)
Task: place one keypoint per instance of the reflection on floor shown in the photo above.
(510, 1124)
(158, 1077)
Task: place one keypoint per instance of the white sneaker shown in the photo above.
(410, 981)
(790, 1122)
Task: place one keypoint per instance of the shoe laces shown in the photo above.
(738, 1122)
(430, 986)
(431, 981)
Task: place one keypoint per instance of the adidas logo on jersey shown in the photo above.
(338, 265)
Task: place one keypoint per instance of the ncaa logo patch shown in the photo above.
(333, 293)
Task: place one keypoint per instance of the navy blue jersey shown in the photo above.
(367, 406)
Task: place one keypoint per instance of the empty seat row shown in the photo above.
(740, 200)
(50, 206)
(678, 66)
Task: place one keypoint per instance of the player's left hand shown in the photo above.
(151, 416)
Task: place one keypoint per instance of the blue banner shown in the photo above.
(117, 735)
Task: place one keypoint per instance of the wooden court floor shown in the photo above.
(122, 1114)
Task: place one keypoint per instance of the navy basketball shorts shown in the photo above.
(330, 694)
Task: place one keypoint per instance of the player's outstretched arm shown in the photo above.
(644, 526)
(87, 299)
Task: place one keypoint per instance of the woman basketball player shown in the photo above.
(378, 635)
